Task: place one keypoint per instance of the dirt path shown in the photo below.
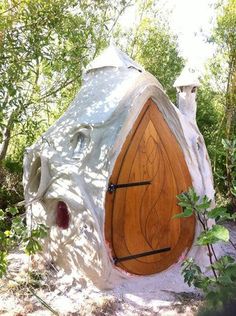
(139, 296)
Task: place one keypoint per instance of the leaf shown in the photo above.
(233, 190)
(219, 213)
(40, 231)
(2, 215)
(184, 204)
(222, 263)
(18, 228)
(186, 213)
(12, 210)
(213, 235)
(205, 203)
(191, 272)
(193, 195)
(3, 263)
(32, 246)
(7, 233)
(183, 197)
(226, 143)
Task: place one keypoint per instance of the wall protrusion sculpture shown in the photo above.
(186, 85)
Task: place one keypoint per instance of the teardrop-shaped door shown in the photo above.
(149, 172)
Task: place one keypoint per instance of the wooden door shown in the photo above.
(139, 218)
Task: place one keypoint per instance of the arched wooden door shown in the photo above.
(149, 172)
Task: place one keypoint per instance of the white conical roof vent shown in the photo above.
(187, 77)
(112, 57)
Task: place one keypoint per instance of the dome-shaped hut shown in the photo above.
(105, 176)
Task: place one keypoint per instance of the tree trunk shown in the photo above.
(230, 131)
(6, 135)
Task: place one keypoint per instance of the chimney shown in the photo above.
(186, 85)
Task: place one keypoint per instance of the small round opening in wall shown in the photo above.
(62, 215)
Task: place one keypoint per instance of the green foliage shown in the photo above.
(215, 234)
(11, 191)
(158, 53)
(18, 235)
(218, 291)
(12, 166)
(220, 214)
(3, 262)
(210, 113)
(32, 244)
(193, 275)
(230, 178)
(192, 203)
(151, 42)
(217, 99)
(219, 288)
(44, 47)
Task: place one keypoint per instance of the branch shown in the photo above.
(210, 245)
(11, 8)
(129, 4)
(232, 244)
(30, 288)
(210, 249)
(64, 85)
(137, 28)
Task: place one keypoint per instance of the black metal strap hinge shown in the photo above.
(139, 255)
(112, 187)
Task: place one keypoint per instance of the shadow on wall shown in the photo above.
(69, 164)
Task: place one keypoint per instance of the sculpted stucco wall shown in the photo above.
(73, 160)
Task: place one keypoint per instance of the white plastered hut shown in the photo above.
(105, 176)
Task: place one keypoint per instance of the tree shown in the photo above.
(224, 36)
(158, 53)
(44, 47)
(222, 72)
(151, 43)
(209, 119)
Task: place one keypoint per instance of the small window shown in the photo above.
(80, 142)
